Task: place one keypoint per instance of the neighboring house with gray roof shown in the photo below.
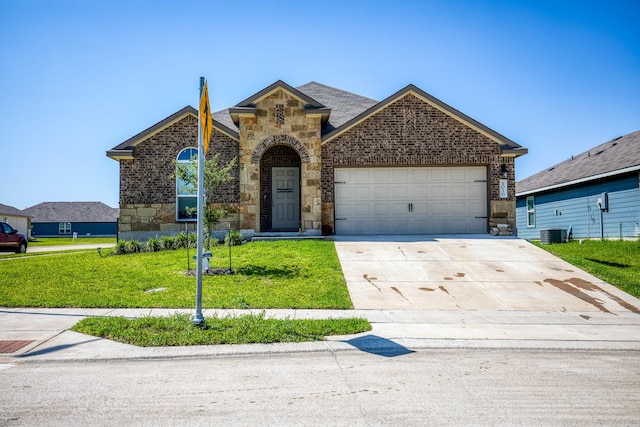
(566, 195)
(16, 218)
(56, 219)
(316, 159)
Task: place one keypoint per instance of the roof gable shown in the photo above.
(124, 150)
(508, 147)
(248, 105)
(253, 99)
(614, 157)
(72, 212)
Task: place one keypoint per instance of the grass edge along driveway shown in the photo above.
(613, 261)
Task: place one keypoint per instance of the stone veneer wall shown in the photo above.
(147, 190)
(280, 119)
(410, 132)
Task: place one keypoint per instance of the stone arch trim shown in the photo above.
(280, 139)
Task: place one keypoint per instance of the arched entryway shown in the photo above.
(280, 189)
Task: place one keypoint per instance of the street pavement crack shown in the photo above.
(352, 392)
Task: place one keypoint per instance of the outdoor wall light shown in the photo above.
(503, 172)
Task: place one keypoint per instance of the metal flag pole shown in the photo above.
(198, 319)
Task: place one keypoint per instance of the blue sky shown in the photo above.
(77, 77)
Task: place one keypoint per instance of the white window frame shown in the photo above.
(64, 228)
(188, 154)
(530, 207)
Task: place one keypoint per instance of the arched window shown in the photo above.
(187, 194)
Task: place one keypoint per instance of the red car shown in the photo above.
(11, 240)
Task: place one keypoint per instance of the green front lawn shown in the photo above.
(615, 262)
(278, 274)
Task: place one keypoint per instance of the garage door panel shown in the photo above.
(342, 192)
(361, 193)
(477, 209)
(400, 192)
(400, 175)
(438, 209)
(438, 174)
(477, 174)
(382, 192)
(419, 175)
(423, 200)
(400, 225)
(458, 191)
(400, 209)
(439, 224)
(458, 208)
(381, 175)
(419, 192)
(362, 227)
(362, 209)
(382, 209)
(361, 175)
(439, 191)
(458, 174)
(342, 175)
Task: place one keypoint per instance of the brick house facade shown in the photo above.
(291, 143)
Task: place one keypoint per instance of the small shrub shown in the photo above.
(168, 242)
(133, 246)
(128, 247)
(153, 245)
(121, 247)
(234, 238)
(181, 241)
(210, 240)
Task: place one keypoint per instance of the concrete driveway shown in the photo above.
(477, 286)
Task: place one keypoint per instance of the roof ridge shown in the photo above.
(313, 82)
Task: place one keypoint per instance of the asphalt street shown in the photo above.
(443, 387)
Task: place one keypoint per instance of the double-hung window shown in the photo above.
(186, 193)
(64, 228)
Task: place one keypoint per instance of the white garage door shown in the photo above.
(411, 200)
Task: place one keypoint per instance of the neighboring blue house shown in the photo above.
(54, 219)
(575, 195)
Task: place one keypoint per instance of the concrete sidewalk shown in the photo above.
(418, 292)
(47, 337)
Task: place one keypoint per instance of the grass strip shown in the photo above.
(615, 262)
(177, 330)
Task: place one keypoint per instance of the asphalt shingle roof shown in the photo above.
(10, 210)
(617, 154)
(72, 212)
(344, 105)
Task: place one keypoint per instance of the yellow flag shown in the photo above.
(206, 122)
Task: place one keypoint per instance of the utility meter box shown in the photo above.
(603, 202)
